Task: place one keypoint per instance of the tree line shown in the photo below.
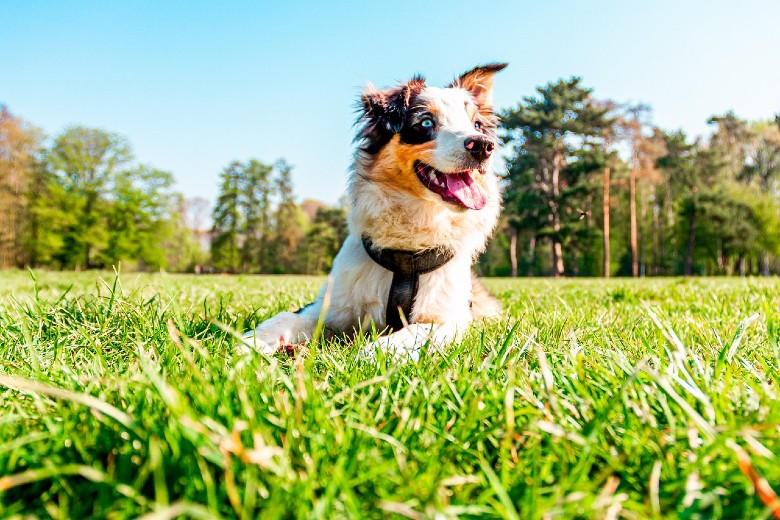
(591, 188)
(80, 200)
(259, 228)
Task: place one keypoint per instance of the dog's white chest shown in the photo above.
(360, 289)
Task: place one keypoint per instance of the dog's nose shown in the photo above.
(479, 147)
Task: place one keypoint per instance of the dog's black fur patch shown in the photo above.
(413, 132)
(383, 114)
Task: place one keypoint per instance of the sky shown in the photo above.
(194, 85)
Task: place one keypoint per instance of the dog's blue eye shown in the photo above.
(426, 123)
(477, 125)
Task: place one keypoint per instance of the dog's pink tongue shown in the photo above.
(469, 193)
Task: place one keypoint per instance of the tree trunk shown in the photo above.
(90, 218)
(691, 243)
(531, 254)
(642, 236)
(632, 211)
(669, 224)
(557, 246)
(606, 222)
(663, 212)
(765, 265)
(513, 251)
(558, 258)
(654, 233)
(556, 252)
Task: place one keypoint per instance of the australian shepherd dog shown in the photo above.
(423, 202)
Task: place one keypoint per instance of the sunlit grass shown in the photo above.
(127, 397)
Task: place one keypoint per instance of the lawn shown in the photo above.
(591, 399)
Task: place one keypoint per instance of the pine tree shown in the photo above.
(228, 220)
(731, 141)
(287, 219)
(677, 167)
(646, 145)
(564, 117)
(256, 192)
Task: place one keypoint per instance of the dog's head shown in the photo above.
(433, 143)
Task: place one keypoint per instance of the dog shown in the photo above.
(423, 201)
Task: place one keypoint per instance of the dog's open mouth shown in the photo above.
(458, 187)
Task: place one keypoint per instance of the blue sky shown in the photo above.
(194, 85)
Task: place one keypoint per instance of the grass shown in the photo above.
(593, 399)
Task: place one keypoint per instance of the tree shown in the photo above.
(140, 217)
(761, 170)
(525, 207)
(255, 190)
(86, 160)
(287, 218)
(646, 146)
(49, 218)
(227, 219)
(731, 140)
(610, 135)
(545, 132)
(324, 238)
(701, 196)
(19, 158)
(677, 169)
(762, 156)
(766, 215)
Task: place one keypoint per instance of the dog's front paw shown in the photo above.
(408, 343)
(399, 351)
(253, 342)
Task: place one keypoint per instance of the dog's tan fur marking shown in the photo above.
(393, 167)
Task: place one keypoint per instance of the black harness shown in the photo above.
(406, 266)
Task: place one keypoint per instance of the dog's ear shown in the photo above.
(383, 112)
(479, 81)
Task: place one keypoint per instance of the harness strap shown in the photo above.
(406, 266)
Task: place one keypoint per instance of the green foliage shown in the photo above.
(258, 227)
(130, 397)
(227, 218)
(82, 203)
(556, 140)
(257, 189)
(86, 161)
(287, 220)
(706, 207)
(673, 206)
(323, 240)
(20, 150)
(140, 217)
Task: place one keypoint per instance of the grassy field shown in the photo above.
(620, 399)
